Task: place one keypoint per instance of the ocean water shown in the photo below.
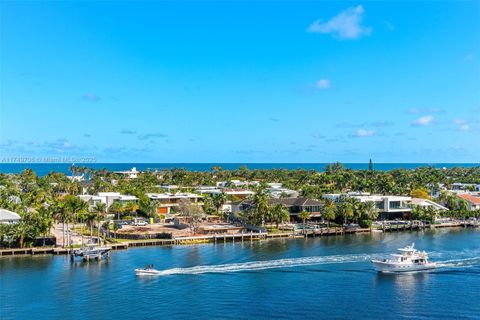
(44, 168)
(316, 278)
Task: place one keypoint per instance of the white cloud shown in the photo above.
(345, 25)
(425, 110)
(423, 121)
(461, 124)
(361, 133)
(323, 84)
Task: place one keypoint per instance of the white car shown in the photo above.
(140, 223)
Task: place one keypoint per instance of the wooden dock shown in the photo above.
(224, 238)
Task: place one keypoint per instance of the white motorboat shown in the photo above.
(409, 259)
(147, 271)
(92, 251)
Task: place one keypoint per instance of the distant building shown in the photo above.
(9, 217)
(276, 190)
(457, 186)
(239, 193)
(236, 184)
(473, 202)
(131, 174)
(76, 178)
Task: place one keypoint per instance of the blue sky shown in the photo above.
(241, 82)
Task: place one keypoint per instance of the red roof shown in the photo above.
(468, 197)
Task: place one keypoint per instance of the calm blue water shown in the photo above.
(317, 278)
(44, 168)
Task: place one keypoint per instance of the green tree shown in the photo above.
(304, 215)
(328, 211)
(219, 200)
(279, 214)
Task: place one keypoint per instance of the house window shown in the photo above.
(394, 204)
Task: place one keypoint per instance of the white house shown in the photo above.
(276, 190)
(131, 174)
(425, 203)
(107, 197)
(236, 183)
(8, 217)
(390, 206)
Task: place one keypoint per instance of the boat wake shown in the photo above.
(305, 261)
(268, 264)
(459, 263)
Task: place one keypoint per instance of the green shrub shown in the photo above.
(365, 223)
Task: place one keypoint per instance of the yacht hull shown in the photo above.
(391, 267)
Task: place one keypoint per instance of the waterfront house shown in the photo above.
(9, 217)
(168, 200)
(106, 197)
(473, 202)
(425, 203)
(293, 205)
(389, 206)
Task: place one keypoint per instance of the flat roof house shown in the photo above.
(390, 207)
(168, 200)
(106, 197)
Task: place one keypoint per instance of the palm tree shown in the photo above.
(370, 210)
(100, 209)
(262, 206)
(45, 222)
(131, 207)
(328, 211)
(279, 214)
(76, 207)
(219, 200)
(117, 207)
(22, 231)
(345, 210)
(304, 215)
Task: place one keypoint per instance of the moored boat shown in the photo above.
(409, 259)
(92, 252)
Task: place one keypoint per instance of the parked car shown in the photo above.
(140, 223)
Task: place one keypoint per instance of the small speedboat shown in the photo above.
(409, 259)
(147, 271)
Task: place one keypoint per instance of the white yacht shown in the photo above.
(409, 259)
